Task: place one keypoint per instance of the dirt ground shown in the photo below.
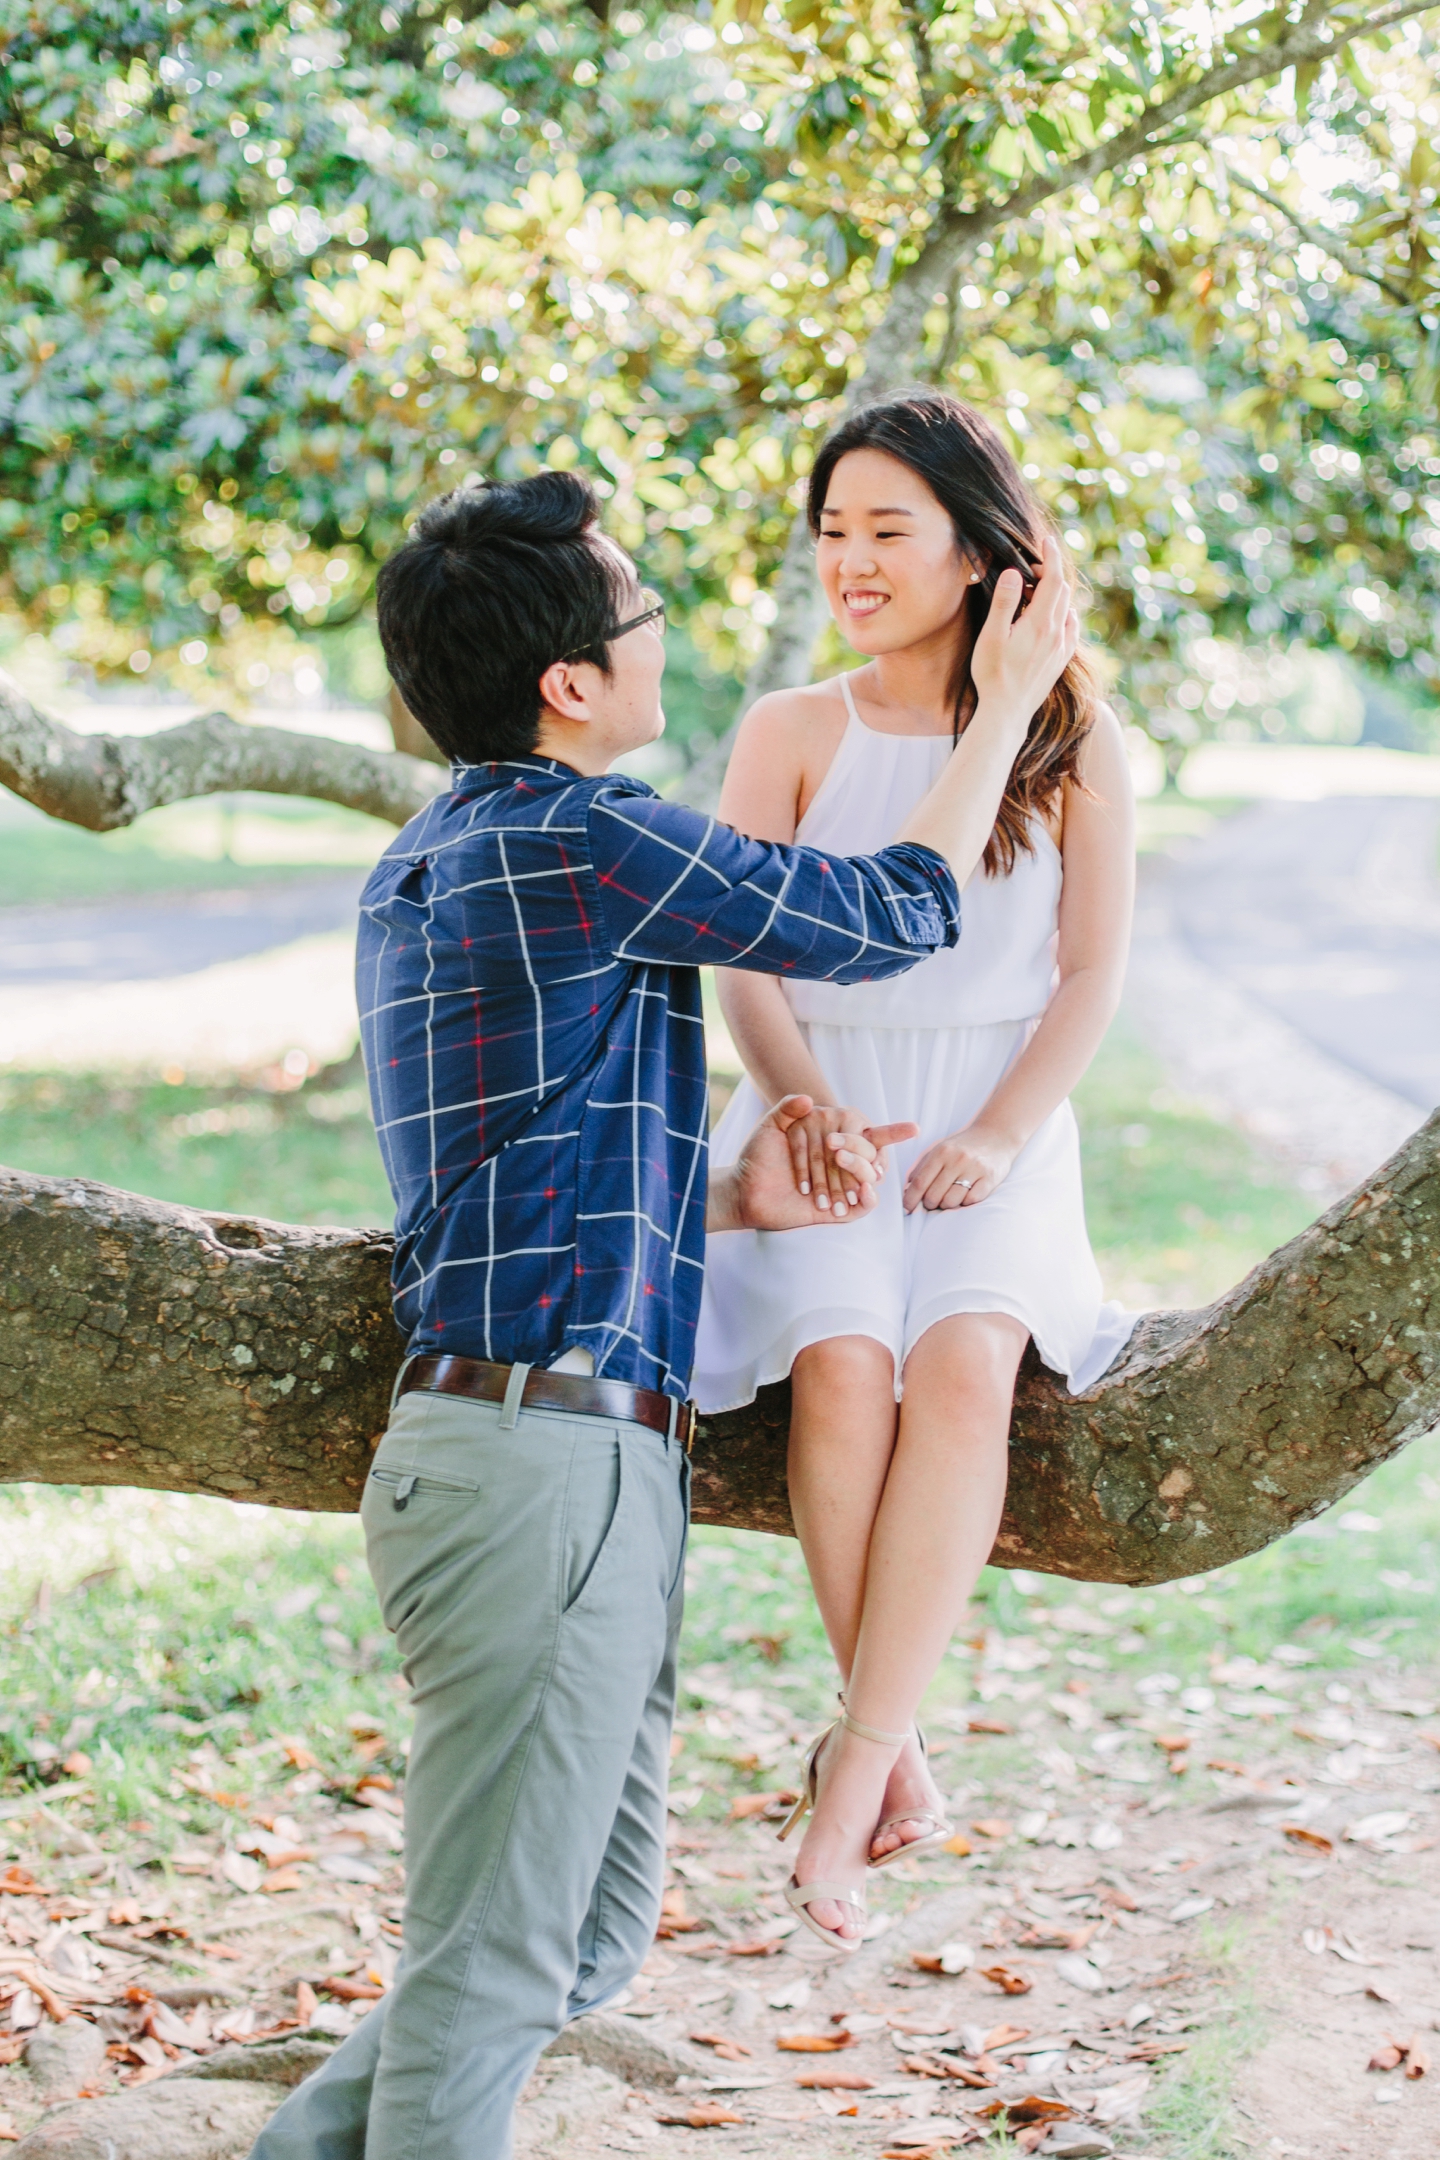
(1185, 1924)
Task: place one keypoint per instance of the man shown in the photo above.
(533, 1036)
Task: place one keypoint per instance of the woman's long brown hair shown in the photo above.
(999, 525)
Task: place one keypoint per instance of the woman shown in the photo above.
(903, 1344)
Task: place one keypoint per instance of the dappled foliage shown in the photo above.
(273, 274)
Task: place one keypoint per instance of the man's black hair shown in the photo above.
(494, 584)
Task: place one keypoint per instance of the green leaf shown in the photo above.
(1045, 132)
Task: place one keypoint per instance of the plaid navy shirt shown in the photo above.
(530, 1014)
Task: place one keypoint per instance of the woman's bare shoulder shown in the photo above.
(782, 751)
(802, 711)
(1103, 751)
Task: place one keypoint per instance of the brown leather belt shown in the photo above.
(572, 1392)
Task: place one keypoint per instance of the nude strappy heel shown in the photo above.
(800, 1897)
(930, 1841)
(806, 1801)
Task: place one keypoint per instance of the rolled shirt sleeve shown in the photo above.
(683, 889)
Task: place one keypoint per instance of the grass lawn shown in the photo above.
(194, 1588)
(229, 840)
(176, 1667)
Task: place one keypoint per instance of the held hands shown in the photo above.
(959, 1171)
(1018, 659)
(819, 1140)
(761, 1192)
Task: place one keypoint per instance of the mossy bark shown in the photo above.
(145, 1344)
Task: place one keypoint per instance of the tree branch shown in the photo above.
(1312, 234)
(104, 781)
(145, 1344)
(890, 351)
(892, 347)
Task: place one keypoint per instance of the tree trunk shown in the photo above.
(409, 738)
(145, 1344)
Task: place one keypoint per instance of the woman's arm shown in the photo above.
(1096, 901)
(768, 779)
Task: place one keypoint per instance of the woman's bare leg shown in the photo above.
(932, 1533)
(843, 1420)
(843, 1423)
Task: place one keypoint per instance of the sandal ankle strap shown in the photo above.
(873, 1732)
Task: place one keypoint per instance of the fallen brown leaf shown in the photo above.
(1233, 1769)
(9, 2135)
(1417, 2061)
(1152, 2050)
(1007, 1979)
(1388, 2057)
(1174, 1743)
(1002, 2036)
(979, 2074)
(747, 1805)
(987, 1725)
(993, 1826)
(125, 1912)
(959, 1845)
(730, 2050)
(19, 1882)
(1312, 1840)
(12, 2047)
(350, 1990)
(299, 1756)
(815, 2043)
(674, 1918)
(1120, 1899)
(282, 1879)
(703, 2115)
(1045, 1938)
(756, 1946)
(1032, 2109)
(770, 1647)
(834, 2079)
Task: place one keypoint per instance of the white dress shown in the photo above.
(929, 1045)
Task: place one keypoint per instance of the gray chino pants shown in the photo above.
(533, 1579)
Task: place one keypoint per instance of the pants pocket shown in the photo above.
(593, 1499)
(401, 1486)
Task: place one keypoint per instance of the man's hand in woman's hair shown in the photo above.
(1020, 655)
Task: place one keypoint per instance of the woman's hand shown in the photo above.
(1019, 658)
(820, 1172)
(758, 1191)
(960, 1171)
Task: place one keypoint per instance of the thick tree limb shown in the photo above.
(104, 781)
(144, 1344)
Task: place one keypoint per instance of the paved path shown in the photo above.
(1287, 968)
(1328, 914)
(150, 937)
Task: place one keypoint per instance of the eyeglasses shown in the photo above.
(653, 612)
